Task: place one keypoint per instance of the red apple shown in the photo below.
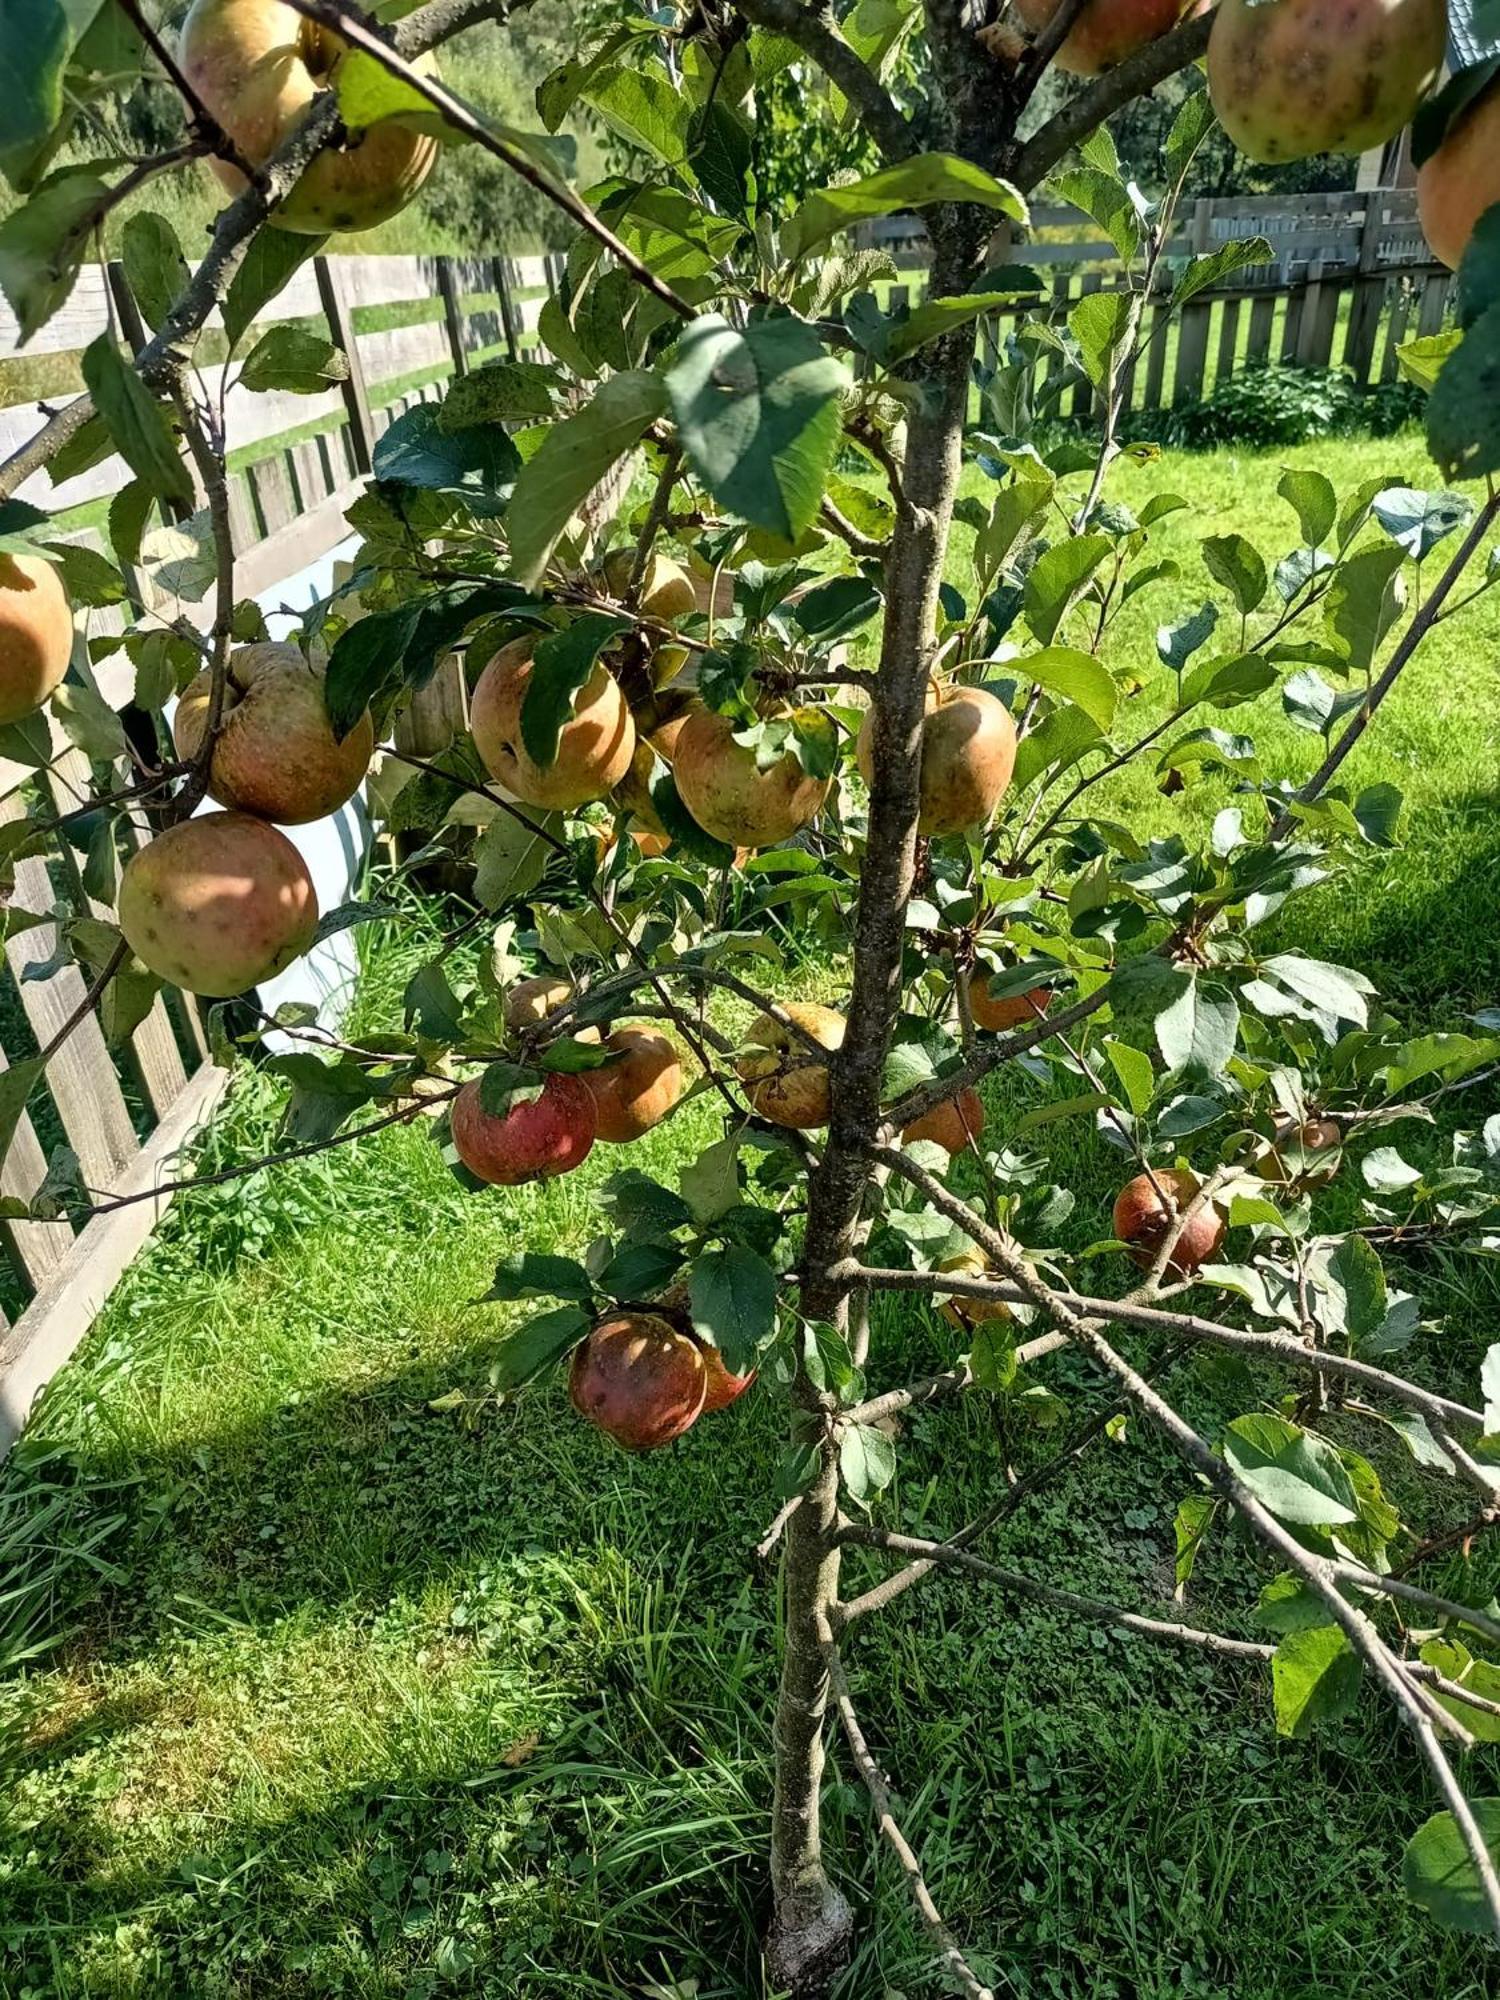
(639, 1380)
(536, 1141)
(1142, 1220)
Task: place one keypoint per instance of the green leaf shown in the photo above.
(16, 1086)
(992, 1357)
(1463, 412)
(1104, 197)
(288, 357)
(1190, 1525)
(1315, 1676)
(538, 1344)
(479, 466)
(1015, 516)
(1226, 683)
(35, 41)
(273, 259)
(1364, 601)
(711, 1183)
(560, 666)
(936, 317)
(732, 1299)
(500, 392)
(867, 1461)
(1456, 1663)
(1418, 521)
(1101, 323)
(640, 1205)
(155, 267)
(1076, 677)
(530, 1274)
(1213, 269)
(89, 577)
(511, 858)
(1237, 564)
(135, 422)
(1057, 741)
(1312, 498)
(89, 722)
(575, 456)
(42, 242)
(647, 108)
(1300, 1478)
(368, 93)
(1332, 989)
(913, 183)
(1422, 360)
(1137, 1077)
(1199, 1029)
(1438, 1874)
(1192, 125)
(758, 414)
(1058, 578)
(1355, 1269)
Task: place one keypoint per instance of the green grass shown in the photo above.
(381, 1699)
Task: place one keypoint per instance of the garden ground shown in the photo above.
(372, 1688)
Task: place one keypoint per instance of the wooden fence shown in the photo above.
(1350, 280)
(405, 324)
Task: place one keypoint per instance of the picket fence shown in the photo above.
(405, 324)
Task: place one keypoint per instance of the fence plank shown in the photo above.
(360, 431)
(1229, 340)
(1192, 354)
(36, 1248)
(453, 317)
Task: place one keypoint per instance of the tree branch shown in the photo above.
(1107, 94)
(880, 1798)
(815, 31)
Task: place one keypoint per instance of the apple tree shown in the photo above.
(787, 607)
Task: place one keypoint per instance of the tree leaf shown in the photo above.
(575, 455)
(479, 466)
(732, 1299)
(1237, 564)
(867, 1461)
(1311, 497)
(1438, 1874)
(1076, 677)
(538, 1344)
(913, 183)
(1300, 1478)
(1315, 1677)
(560, 666)
(1058, 578)
(500, 392)
(1100, 323)
(135, 422)
(1418, 521)
(42, 242)
(1133, 1067)
(1212, 269)
(290, 358)
(1199, 1029)
(510, 858)
(530, 1274)
(36, 39)
(272, 260)
(155, 267)
(757, 412)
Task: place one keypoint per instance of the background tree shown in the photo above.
(807, 451)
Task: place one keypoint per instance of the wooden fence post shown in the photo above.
(341, 332)
(452, 315)
(1368, 302)
(509, 317)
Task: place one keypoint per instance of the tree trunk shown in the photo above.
(812, 1925)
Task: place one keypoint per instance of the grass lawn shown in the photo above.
(371, 1697)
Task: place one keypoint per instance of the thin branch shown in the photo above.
(87, 1004)
(208, 458)
(1089, 1608)
(1422, 1715)
(880, 1798)
(361, 35)
(1284, 1347)
(1425, 1600)
(815, 31)
(1411, 639)
(1088, 108)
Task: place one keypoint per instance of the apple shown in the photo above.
(276, 754)
(650, 846)
(36, 634)
(729, 795)
(1141, 1220)
(1107, 31)
(667, 593)
(636, 1092)
(257, 65)
(534, 1141)
(1457, 183)
(639, 1380)
(594, 746)
(783, 1080)
(723, 1388)
(968, 754)
(950, 1125)
(1304, 1157)
(967, 1313)
(528, 1003)
(1321, 76)
(997, 1015)
(663, 739)
(217, 904)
